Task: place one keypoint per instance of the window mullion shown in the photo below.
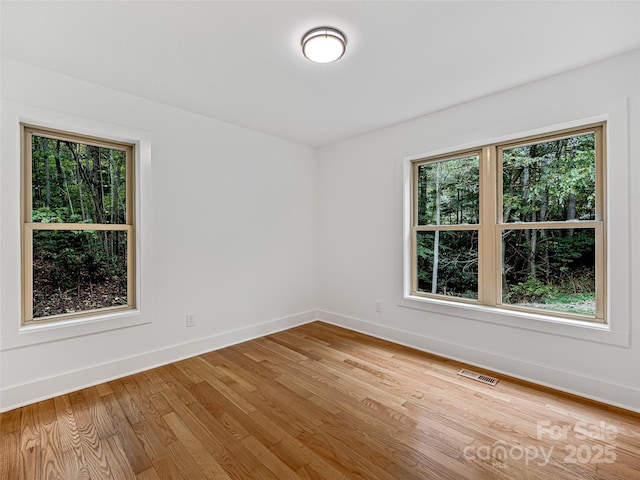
(487, 242)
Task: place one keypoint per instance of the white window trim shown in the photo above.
(616, 331)
(15, 335)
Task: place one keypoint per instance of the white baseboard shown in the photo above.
(42, 389)
(595, 389)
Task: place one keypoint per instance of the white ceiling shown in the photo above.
(240, 61)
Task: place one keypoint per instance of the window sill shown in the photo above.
(577, 329)
(34, 334)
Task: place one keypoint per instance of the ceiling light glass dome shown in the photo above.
(324, 44)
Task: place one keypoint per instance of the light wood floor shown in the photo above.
(316, 402)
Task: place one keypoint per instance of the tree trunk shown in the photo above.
(97, 168)
(63, 184)
(47, 176)
(571, 210)
(422, 186)
(544, 216)
(95, 184)
(80, 174)
(525, 187)
(114, 188)
(532, 253)
(91, 178)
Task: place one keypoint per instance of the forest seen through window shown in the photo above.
(82, 268)
(547, 254)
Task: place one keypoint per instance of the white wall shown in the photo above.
(360, 187)
(230, 235)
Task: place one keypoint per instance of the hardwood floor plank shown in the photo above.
(150, 381)
(149, 474)
(228, 395)
(10, 454)
(152, 448)
(10, 421)
(29, 427)
(263, 473)
(317, 402)
(118, 460)
(231, 443)
(185, 462)
(52, 459)
(166, 469)
(98, 412)
(93, 447)
(174, 385)
(104, 389)
(235, 462)
(295, 343)
(207, 463)
(148, 412)
(133, 448)
(127, 403)
(72, 457)
(67, 428)
(73, 467)
(309, 472)
(31, 462)
(271, 461)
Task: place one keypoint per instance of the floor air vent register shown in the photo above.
(478, 377)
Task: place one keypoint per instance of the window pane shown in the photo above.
(553, 269)
(77, 183)
(78, 270)
(448, 192)
(448, 263)
(550, 181)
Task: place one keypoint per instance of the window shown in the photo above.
(78, 237)
(517, 225)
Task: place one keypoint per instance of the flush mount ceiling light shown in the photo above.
(324, 44)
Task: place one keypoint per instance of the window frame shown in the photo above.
(27, 131)
(491, 223)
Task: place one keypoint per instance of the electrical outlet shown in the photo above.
(191, 319)
(379, 307)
